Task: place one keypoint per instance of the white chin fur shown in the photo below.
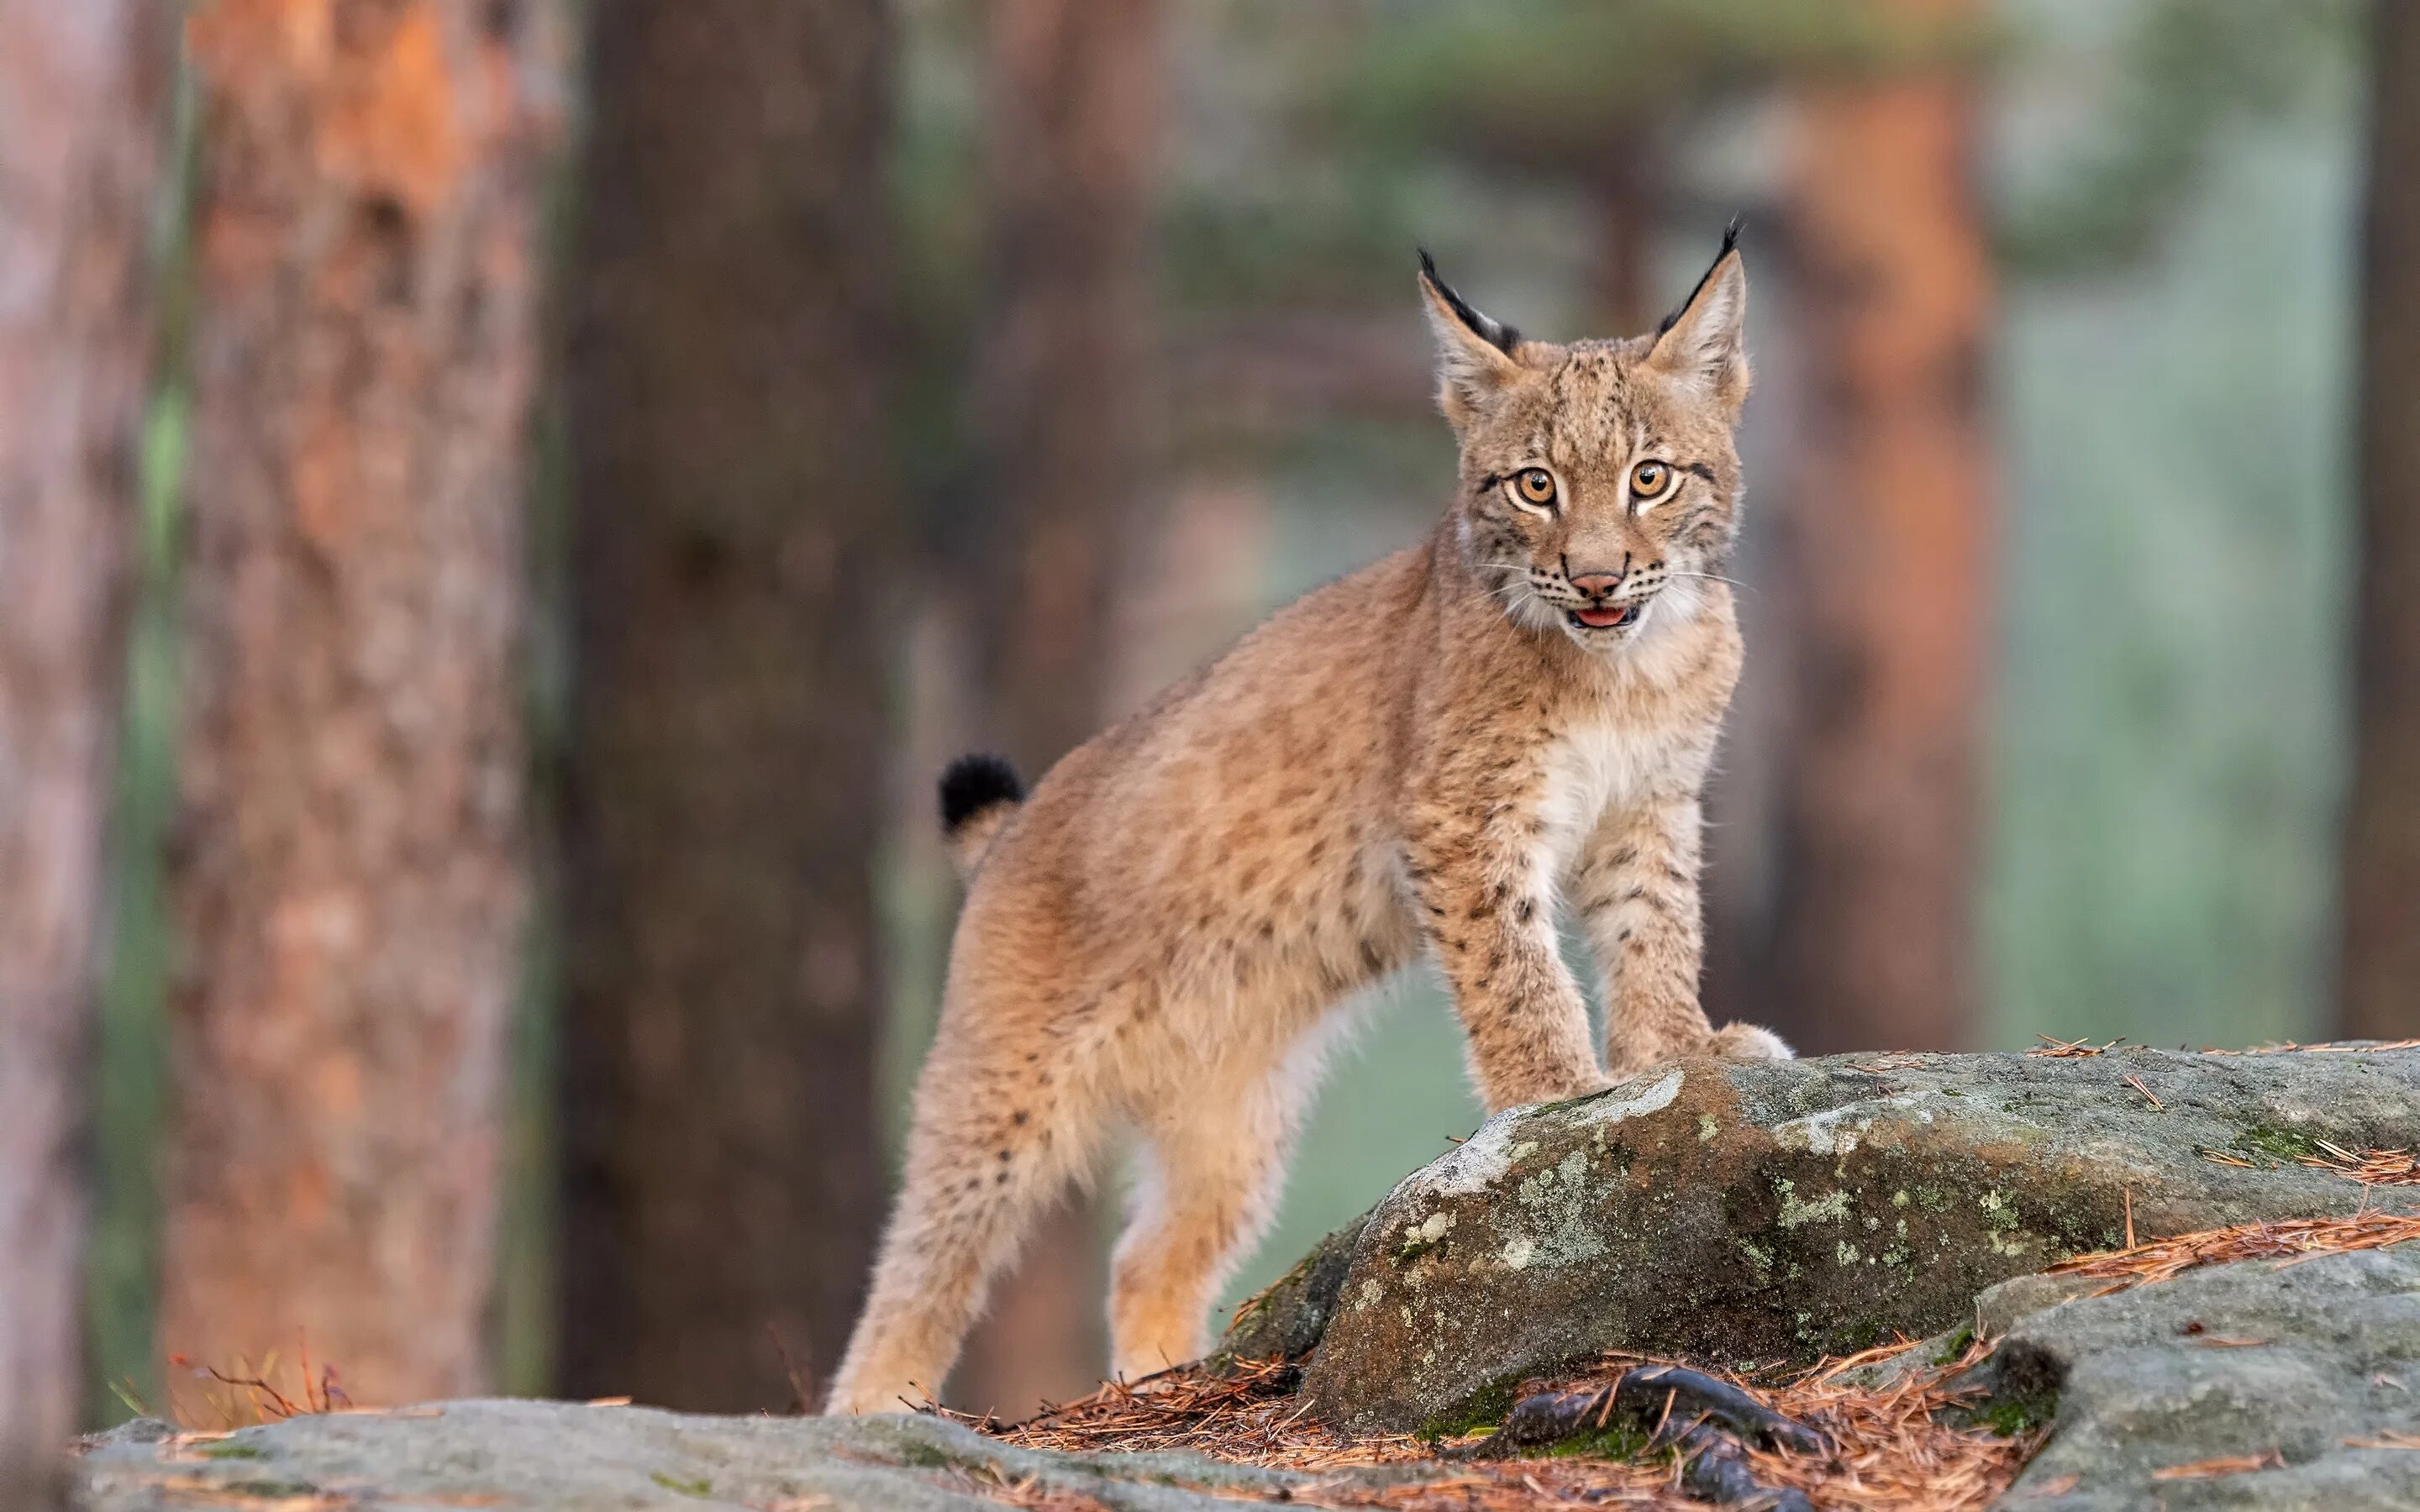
(1605, 642)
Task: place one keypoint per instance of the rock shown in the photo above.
(2002, 1308)
(134, 1430)
(1730, 1211)
(1996, 1311)
(1285, 1322)
(2232, 1362)
(1720, 1211)
(560, 1457)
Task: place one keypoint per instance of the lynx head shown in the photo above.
(1600, 480)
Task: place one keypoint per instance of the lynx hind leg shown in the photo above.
(998, 1137)
(1206, 1192)
(1749, 1042)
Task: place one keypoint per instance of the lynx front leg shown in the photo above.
(1638, 892)
(1485, 906)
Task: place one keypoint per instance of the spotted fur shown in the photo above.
(1429, 757)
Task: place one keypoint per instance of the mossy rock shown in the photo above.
(1751, 1211)
(1285, 1322)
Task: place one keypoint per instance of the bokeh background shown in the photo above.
(552, 483)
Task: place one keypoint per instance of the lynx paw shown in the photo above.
(1749, 1042)
(857, 1400)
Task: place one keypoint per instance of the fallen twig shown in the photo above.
(2222, 1466)
(2055, 1049)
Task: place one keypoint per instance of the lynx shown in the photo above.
(1431, 756)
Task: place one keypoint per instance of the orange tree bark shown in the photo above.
(81, 89)
(2381, 858)
(1890, 529)
(1070, 114)
(346, 873)
(732, 522)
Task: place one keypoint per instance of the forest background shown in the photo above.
(506, 506)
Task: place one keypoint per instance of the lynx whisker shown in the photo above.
(1713, 577)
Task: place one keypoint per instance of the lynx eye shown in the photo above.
(1650, 480)
(1534, 486)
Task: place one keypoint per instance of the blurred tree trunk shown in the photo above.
(1890, 533)
(81, 89)
(346, 868)
(1072, 107)
(2382, 861)
(1625, 197)
(733, 520)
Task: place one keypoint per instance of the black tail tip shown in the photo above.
(975, 783)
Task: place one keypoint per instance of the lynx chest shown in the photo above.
(1592, 767)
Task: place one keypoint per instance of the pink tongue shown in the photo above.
(1597, 619)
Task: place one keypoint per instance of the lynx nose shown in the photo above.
(1597, 584)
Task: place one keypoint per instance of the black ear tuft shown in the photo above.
(1495, 333)
(1730, 244)
(974, 784)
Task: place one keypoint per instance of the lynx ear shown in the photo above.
(1704, 341)
(1474, 353)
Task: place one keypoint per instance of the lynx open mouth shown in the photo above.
(1605, 617)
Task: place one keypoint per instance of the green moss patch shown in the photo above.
(2288, 1147)
(1483, 1409)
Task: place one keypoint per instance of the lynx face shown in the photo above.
(1600, 480)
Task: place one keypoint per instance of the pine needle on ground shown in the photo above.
(1894, 1449)
(1892, 1452)
(2289, 1241)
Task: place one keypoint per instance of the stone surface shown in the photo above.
(1285, 1322)
(1743, 1211)
(1718, 1211)
(558, 1457)
(2232, 1361)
